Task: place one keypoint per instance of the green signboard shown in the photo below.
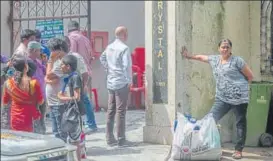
(50, 29)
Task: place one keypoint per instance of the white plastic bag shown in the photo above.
(196, 140)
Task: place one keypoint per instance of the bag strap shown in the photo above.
(76, 104)
(32, 84)
(66, 80)
(71, 91)
(71, 87)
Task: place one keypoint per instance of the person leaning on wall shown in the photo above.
(232, 76)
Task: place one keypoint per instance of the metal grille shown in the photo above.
(24, 15)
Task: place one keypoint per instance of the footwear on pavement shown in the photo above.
(126, 143)
(112, 143)
(90, 130)
(237, 155)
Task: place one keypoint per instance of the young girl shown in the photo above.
(24, 94)
(74, 92)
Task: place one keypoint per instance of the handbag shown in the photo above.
(70, 117)
(72, 113)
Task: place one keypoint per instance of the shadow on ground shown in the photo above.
(134, 119)
(99, 151)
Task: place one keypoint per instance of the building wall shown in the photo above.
(209, 23)
(5, 29)
(106, 16)
(199, 25)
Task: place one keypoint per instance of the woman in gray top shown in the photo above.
(232, 76)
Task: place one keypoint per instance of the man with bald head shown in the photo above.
(116, 59)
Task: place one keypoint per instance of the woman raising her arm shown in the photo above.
(232, 76)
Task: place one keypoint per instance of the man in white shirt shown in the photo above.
(117, 61)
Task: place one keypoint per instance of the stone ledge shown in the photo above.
(158, 135)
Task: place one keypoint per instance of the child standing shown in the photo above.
(73, 86)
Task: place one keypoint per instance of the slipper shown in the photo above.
(237, 155)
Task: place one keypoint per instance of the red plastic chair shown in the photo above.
(139, 87)
(95, 93)
(139, 58)
(138, 67)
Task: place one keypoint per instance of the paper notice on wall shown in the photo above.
(50, 29)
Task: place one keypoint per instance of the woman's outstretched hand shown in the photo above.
(184, 52)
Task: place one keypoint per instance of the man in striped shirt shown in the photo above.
(80, 44)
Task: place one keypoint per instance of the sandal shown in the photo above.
(237, 155)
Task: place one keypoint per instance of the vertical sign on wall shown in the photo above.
(160, 53)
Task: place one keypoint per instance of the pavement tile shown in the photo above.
(97, 149)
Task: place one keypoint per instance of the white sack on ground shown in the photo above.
(196, 140)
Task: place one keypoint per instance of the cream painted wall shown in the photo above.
(105, 16)
(5, 29)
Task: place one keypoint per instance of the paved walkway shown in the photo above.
(97, 150)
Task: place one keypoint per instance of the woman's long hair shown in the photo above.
(19, 63)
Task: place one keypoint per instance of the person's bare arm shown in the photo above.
(203, 58)
(84, 79)
(77, 95)
(51, 75)
(52, 81)
(51, 78)
(90, 51)
(49, 67)
(247, 73)
(50, 63)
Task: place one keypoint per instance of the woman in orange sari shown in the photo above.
(23, 94)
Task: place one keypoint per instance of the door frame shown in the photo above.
(94, 34)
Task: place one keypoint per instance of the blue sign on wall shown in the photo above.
(50, 29)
